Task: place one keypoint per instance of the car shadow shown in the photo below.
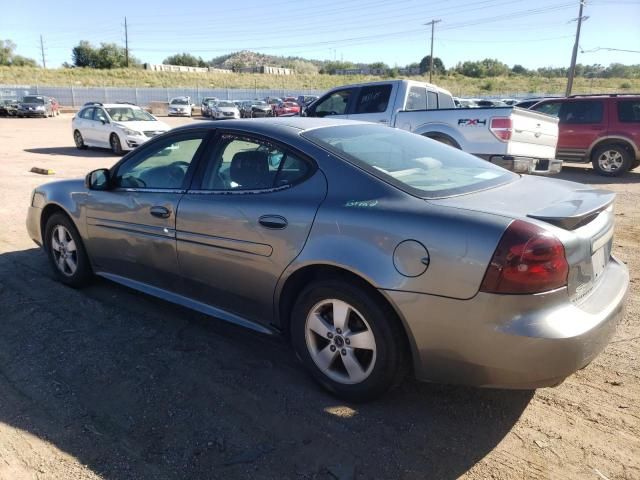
(71, 151)
(136, 387)
(585, 174)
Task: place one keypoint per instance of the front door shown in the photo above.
(101, 127)
(246, 218)
(131, 227)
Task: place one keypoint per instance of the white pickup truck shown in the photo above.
(520, 140)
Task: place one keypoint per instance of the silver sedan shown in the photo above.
(374, 251)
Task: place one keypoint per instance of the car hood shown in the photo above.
(227, 109)
(179, 106)
(144, 126)
(558, 202)
(31, 104)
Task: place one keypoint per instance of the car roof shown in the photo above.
(266, 125)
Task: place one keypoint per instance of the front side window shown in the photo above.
(581, 112)
(163, 166)
(373, 99)
(629, 111)
(411, 162)
(335, 104)
(249, 164)
(100, 115)
(87, 113)
(551, 108)
(417, 99)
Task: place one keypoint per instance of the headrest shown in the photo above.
(251, 169)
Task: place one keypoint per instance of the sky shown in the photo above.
(530, 33)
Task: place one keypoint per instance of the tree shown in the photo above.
(109, 55)
(438, 66)
(519, 70)
(8, 56)
(184, 59)
(84, 55)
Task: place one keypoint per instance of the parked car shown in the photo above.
(286, 108)
(255, 108)
(224, 110)
(484, 103)
(509, 101)
(35, 106)
(55, 106)
(117, 126)
(530, 102)
(464, 103)
(273, 102)
(204, 106)
(601, 129)
(520, 140)
(180, 106)
(8, 108)
(374, 249)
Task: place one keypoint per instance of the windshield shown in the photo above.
(411, 162)
(260, 104)
(179, 101)
(33, 100)
(226, 104)
(128, 114)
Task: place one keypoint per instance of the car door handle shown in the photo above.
(274, 222)
(160, 212)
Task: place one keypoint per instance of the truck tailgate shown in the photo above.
(534, 134)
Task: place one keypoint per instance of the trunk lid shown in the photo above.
(580, 216)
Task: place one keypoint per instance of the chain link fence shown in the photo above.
(78, 96)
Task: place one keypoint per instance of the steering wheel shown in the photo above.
(133, 182)
(175, 171)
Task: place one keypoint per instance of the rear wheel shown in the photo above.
(611, 160)
(66, 251)
(349, 341)
(116, 147)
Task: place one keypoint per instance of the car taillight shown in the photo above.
(528, 260)
(502, 128)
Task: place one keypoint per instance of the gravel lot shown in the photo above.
(108, 383)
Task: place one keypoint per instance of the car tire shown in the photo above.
(355, 374)
(116, 146)
(66, 252)
(611, 160)
(635, 165)
(79, 141)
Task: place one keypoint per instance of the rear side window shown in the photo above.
(432, 100)
(374, 99)
(581, 112)
(445, 101)
(629, 111)
(417, 99)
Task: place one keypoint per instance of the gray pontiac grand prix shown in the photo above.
(376, 252)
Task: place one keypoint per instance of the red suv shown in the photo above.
(601, 129)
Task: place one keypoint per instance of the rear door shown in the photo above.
(84, 124)
(245, 219)
(375, 103)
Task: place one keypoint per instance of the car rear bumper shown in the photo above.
(511, 341)
(518, 164)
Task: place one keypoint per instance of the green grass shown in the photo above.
(457, 84)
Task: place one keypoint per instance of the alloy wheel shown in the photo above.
(64, 250)
(610, 161)
(340, 341)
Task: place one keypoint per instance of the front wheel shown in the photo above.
(611, 160)
(66, 251)
(116, 147)
(348, 339)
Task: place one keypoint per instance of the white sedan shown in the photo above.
(117, 126)
(223, 110)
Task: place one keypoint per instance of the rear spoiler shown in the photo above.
(576, 211)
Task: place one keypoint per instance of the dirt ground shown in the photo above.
(108, 383)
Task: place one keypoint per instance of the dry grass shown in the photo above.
(457, 84)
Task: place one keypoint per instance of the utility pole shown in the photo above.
(574, 55)
(44, 63)
(433, 24)
(126, 43)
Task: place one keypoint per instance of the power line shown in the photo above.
(574, 54)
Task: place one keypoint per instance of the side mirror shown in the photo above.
(98, 179)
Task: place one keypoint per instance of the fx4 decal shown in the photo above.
(471, 122)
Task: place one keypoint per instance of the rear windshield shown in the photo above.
(411, 162)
